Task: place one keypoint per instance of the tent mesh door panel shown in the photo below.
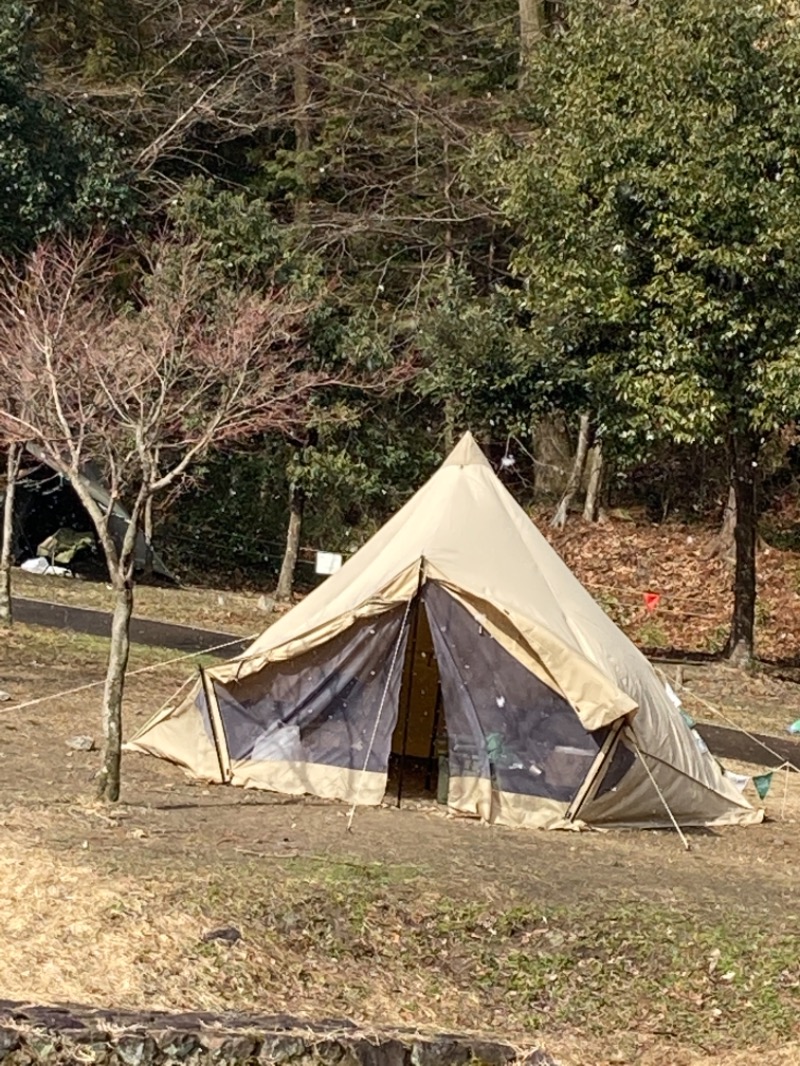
(320, 707)
(616, 767)
(503, 723)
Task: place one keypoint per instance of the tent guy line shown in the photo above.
(660, 794)
(739, 728)
(131, 673)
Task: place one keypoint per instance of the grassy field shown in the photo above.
(602, 948)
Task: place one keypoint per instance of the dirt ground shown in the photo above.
(601, 947)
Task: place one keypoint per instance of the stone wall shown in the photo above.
(70, 1035)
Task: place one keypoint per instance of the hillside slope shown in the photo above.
(621, 562)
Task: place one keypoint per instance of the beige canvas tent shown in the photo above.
(456, 627)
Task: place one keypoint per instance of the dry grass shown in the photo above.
(614, 981)
(648, 1052)
(74, 933)
(64, 936)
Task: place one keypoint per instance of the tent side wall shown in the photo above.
(696, 796)
(320, 723)
(178, 733)
(518, 752)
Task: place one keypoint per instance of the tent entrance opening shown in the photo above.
(474, 723)
(419, 741)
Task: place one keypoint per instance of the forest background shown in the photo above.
(571, 227)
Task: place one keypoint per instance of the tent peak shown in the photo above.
(466, 453)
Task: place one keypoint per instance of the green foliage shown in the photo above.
(483, 363)
(244, 244)
(405, 85)
(358, 457)
(604, 968)
(56, 169)
(657, 202)
(245, 527)
(651, 635)
(475, 364)
(363, 470)
(430, 37)
(103, 39)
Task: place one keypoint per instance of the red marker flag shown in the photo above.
(651, 600)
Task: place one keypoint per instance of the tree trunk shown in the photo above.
(724, 544)
(728, 530)
(147, 530)
(302, 102)
(6, 546)
(552, 454)
(297, 503)
(744, 465)
(591, 507)
(108, 782)
(575, 476)
(532, 27)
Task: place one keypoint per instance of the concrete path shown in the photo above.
(729, 743)
(143, 630)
